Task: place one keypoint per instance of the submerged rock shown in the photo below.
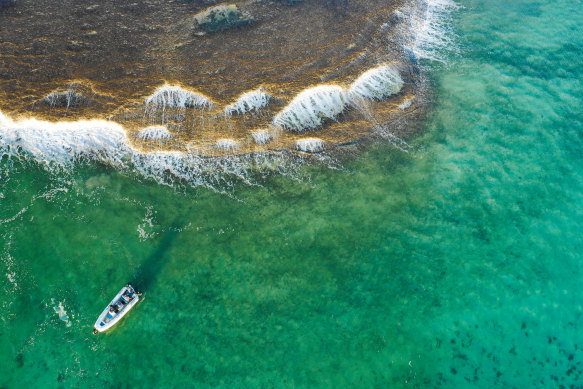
(222, 17)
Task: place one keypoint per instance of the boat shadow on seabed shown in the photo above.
(143, 278)
(147, 272)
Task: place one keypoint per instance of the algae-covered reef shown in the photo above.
(204, 77)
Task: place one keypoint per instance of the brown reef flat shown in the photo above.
(103, 59)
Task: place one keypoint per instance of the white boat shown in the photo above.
(125, 300)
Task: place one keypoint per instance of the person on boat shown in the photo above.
(127, 295)
(132, 291)
(125, 298)
(113, 308)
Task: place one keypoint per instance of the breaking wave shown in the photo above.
(64, 143)
(376, 83)
(249, 101)
(311, 107)
(58, 147)
(310, 145)
(226, 144)
(430, 29)
(175, 96)
(261, 137)
(154, 133)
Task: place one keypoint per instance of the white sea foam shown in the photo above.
(64, 142)
(61, 312)
(311, 107)
(9, 262)
(155, 133)
(175, 96)
(59, 146)
(217, 174)
(226, 144)
(406, 104)
(147, 225)
(4, 121)
(430, 28)
(12, 278)
(310, 145)
(249, 101)
(13, 218)
(376, 83)
(261, 137)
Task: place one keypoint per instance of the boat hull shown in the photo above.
(104, 322)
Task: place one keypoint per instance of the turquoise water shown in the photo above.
(454, 265)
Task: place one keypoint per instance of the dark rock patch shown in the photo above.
(222, 17)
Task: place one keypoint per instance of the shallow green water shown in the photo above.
(455, 265)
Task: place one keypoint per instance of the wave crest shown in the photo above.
(311, 107)
(249, 101)
(310, 145)
(261, 137)
(226, 144)
(176, 97)
(64, 142)
(154, 133)
(376, 84)
(431, 32)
